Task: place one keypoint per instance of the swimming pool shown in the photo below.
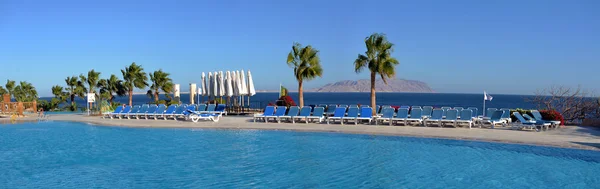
(76, 155)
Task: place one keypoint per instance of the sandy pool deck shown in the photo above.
(568, 137)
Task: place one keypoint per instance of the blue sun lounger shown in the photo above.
(351, 115)
(170, 110)
(387, 114)
(338, 114)
(494, 120)
(416, 116)
(142, 111)
(524, 124)
(366, 114)
(280, 111)
(158, 112)
(151, 110)
(451, 118)
(269, 111)
(133, 111)
(401, 116)
(436, 118)
(196, 116)
(318, 114)
(115, 112)
(201, 107)
(304, 113)
(294, 110)
(538, 117)
(124, 113)
(466, 116)
(178, 112)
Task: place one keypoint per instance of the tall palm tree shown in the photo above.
(92, 81)
(134, 77)
(25, 92)
(160, 81)
(59, 93)
(111, 87)
(10, 86)
(378, 60)
(306, 64)
(74, 88)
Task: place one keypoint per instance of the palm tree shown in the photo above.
(59, 93)
(10, 86)
(160, 81)
(378, 60)
(134, 77)
(111, 86)
(306, 64)
(25, 92)
(74, 88)
(92, 81)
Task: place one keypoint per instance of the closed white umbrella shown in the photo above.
(234, 85)
(209, 91)
(203, 85)
(221, 84)
(228, 83)
(244, 88)
(251, 90)
(215, 84)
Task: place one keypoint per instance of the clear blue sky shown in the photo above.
(511, 47)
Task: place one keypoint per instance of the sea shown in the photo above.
(395, 99)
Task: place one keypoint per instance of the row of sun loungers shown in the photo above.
(425, 116)
(194, 112)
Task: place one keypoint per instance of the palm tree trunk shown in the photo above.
(72, 99)
(156, 95)
(373, 75)
(130, 97)
(111, 99)
(300, 94)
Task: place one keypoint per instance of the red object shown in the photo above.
(552, 115)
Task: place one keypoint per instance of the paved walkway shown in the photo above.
(570, 137)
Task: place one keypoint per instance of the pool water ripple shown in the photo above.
(75, 155)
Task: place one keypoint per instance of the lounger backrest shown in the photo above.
(339, 112)
(416, 107)
(211, 107)
(437, 114)
(474, 110)
(126, 110)
(202, 107)
(305, 111)
(269, 111)
(353, 106)
(384, 107)
(466, 114)
(280, 111)
(496, 115)
(451, 114)
(416, 113)
(191, 107)
(151, 109)
(352, 112)
(536, 114)
(318, 111)
(143, 109)
(406, 107)
(490, 112)
(505, 114)
(526, 116)
(459, 109)
(161, 109)
(366, 112)
(180, 109)
(445, 109)
(388, 112)
(171, 109)
(220, 108)
(293, 111)
(402, 113)
(119, 109)
(519, 117)
(427, 111)
(135, 109)
(331, 108)
(378, 109)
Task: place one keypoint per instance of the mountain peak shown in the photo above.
(364, 85)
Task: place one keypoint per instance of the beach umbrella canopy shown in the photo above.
(209, 91)
(221, 84)
(203, 85)
(234, 85)
(215, 84)
(251, 90)
(228, 87)
(243, 88)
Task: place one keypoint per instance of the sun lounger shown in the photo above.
(466, 116)
(475, 112)
(133, 111)
(366, 114)
(352, 114)
(353, 106)
(401, 116)
(338, 114)
(141, 112)
(537, 116)
(459, 109)
(427, 111)
(330, 109)
(416, 116)
(451, 118)
(118, 110)
(220, 109)
(151, 110)
(387, 114)
(280, 111)
(489, 113)
(404, 107)
(202, 107)
(158, 112)
(178, 112)
(304, 112)
(169, 112)
(294, 110)
(506, 116)
(524, 124)
(124, 113)
(494, 120)
(436, 118)
(196, 116)
(269, 111)
(210, 108)
(366, 106)
(317, 114)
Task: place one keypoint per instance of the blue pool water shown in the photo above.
(75, 155)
